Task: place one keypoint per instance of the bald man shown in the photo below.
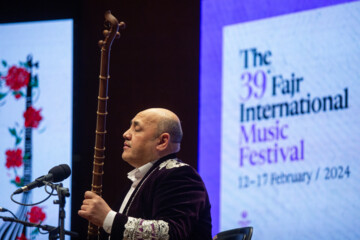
(167, 198)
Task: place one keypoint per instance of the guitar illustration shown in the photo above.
(17, 79)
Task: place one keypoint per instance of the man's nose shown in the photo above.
(127, 134)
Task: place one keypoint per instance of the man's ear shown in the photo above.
(164, 140)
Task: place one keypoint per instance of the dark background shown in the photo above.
(155, 63)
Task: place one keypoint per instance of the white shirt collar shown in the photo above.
(138, 173)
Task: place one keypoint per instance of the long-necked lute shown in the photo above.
(110, 33)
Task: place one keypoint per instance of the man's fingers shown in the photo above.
(83, 214)
(94, 208)
(84, 207)
(89, 195)
(87, 201)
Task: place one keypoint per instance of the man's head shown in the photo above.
(153, 133)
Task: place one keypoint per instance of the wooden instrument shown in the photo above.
(110, 34)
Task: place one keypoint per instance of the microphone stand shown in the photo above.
(62, 193)
(44, 227)
(54, 233)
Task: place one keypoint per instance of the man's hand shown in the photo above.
(94, 209)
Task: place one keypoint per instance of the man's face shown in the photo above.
(140, 139)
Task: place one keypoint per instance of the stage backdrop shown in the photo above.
(36, 116)
(279, 117)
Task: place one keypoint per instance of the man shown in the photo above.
(167, 199)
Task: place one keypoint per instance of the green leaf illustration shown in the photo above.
(18, 140)
(2, 95)
(35, 231)
(34, 81)
(13, 132)
(26, 157)
(18, 184)
(18, 92)
(4, 63)
(24, 64)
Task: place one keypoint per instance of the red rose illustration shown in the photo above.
(17, 179)
(17, 78)
(14, 158)
(22, 237)
(32, 117)
(18, 95)
(36, 215)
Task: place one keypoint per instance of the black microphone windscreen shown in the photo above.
(60, 172)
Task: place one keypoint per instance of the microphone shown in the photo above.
(56, 174)
(3, 209)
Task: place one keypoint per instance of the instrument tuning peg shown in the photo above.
(122, 25)
(106, 33)
(101, 43)
(117, 35)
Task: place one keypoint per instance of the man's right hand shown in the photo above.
(94, 208)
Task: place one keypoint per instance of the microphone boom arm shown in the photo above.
(37, 225)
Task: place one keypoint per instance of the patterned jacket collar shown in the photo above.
(163, 159)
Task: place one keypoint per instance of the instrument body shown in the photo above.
(99, 153)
